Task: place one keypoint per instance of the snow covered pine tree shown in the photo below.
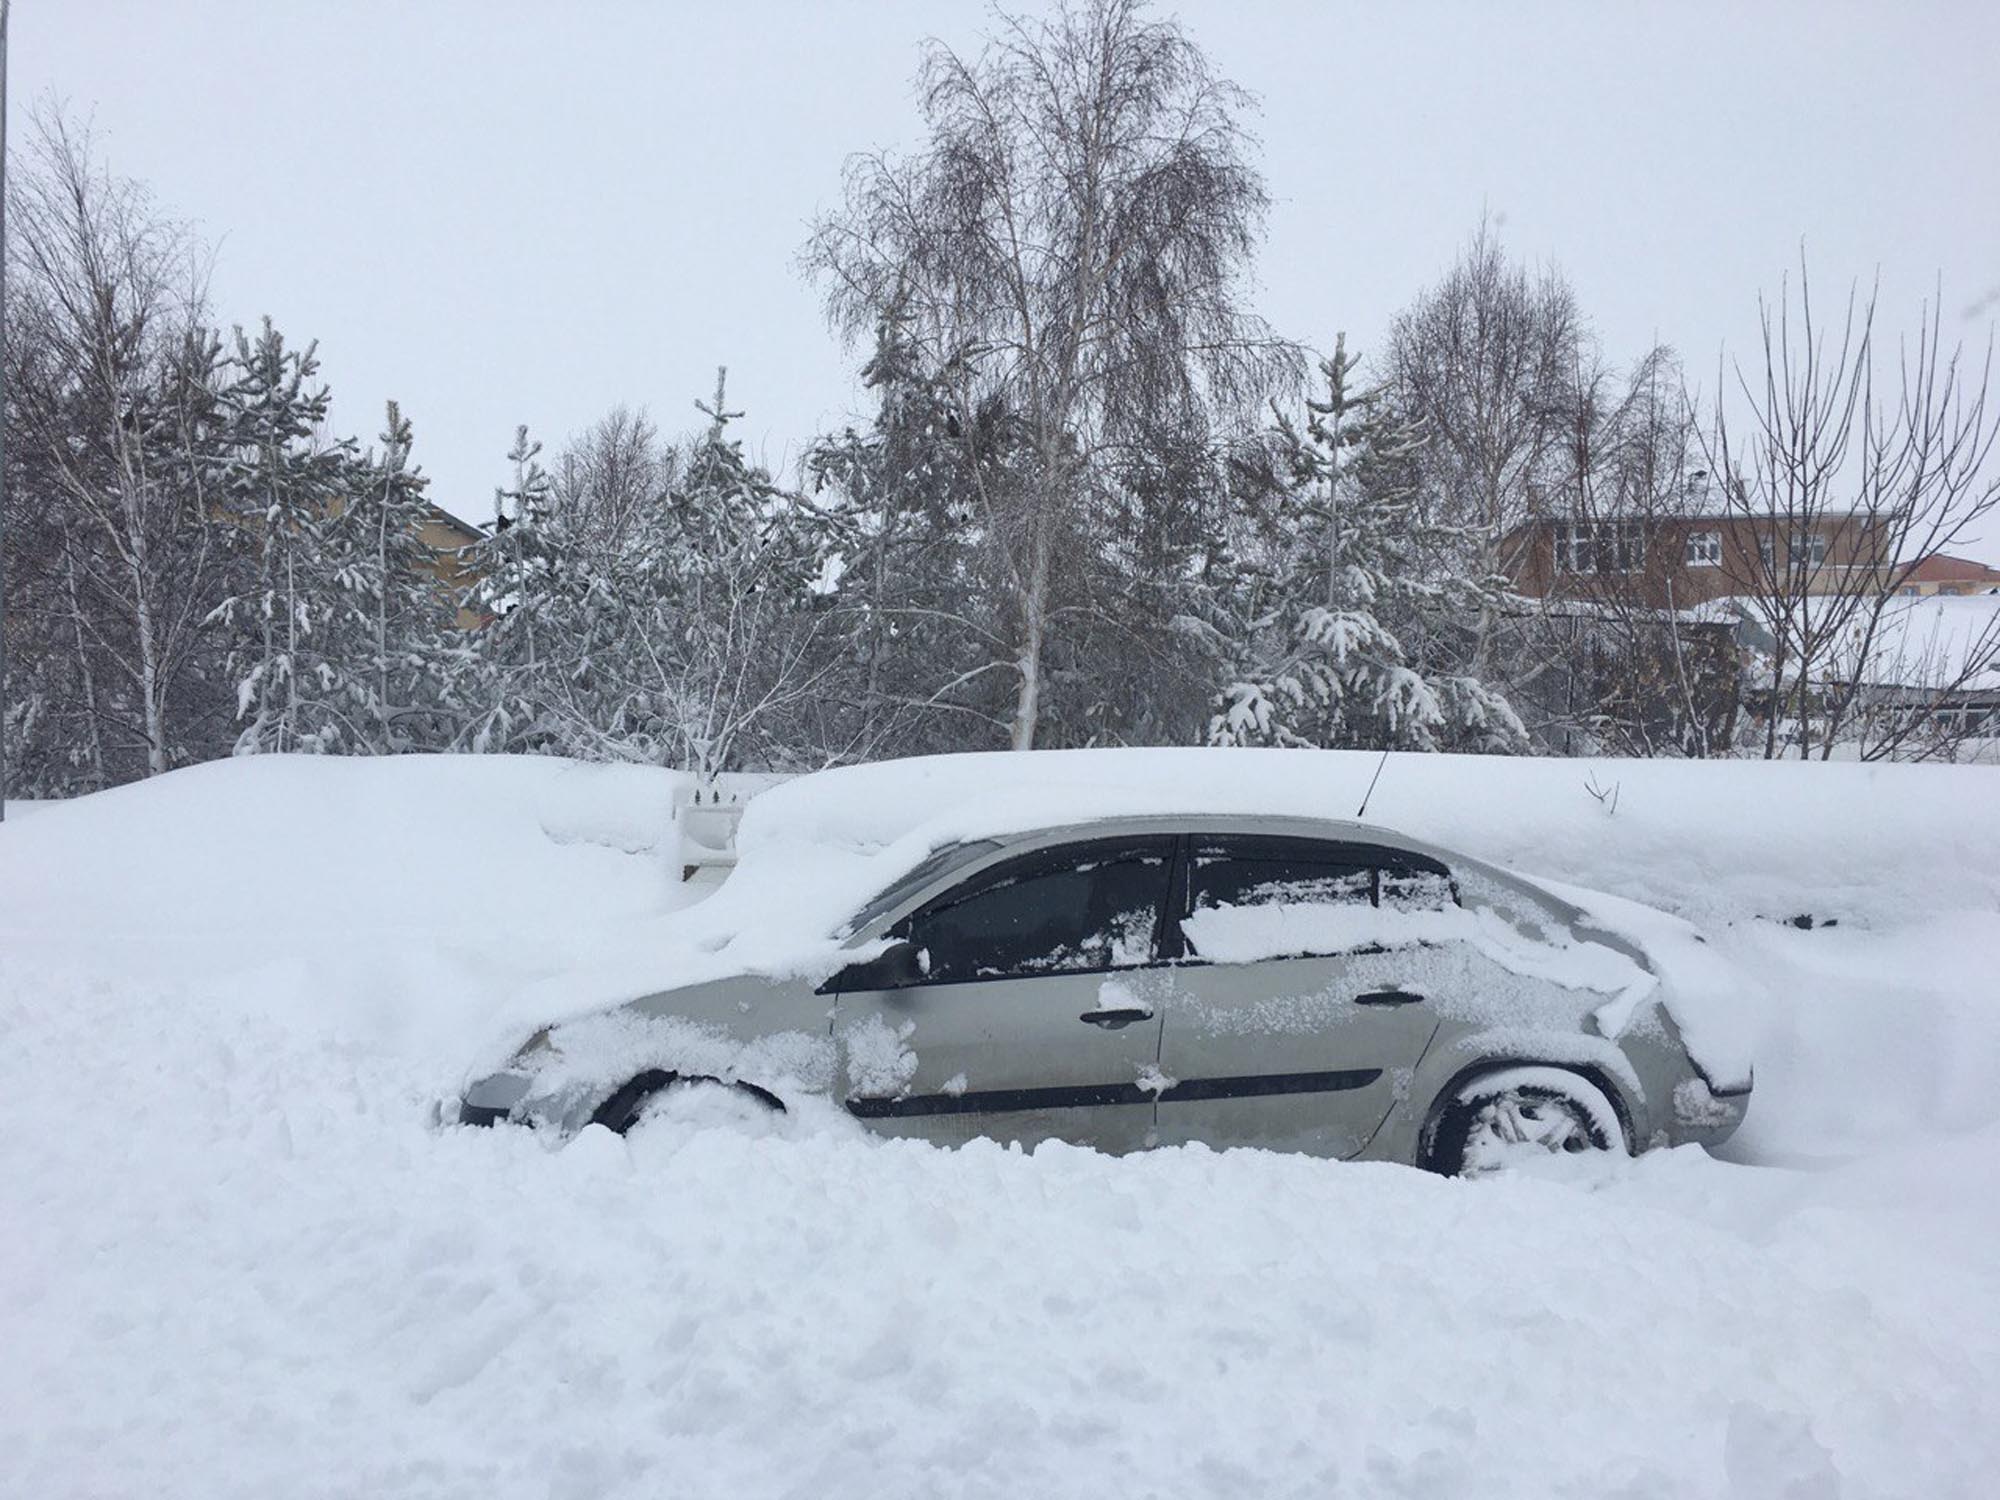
(499, 676)
(1342, 586)
(296, 613)
(392, 684)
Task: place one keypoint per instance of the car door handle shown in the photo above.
(1112, 1020)
(1388, 997)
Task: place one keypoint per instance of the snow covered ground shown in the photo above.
(237, 1262)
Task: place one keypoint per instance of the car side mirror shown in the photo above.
(896, 967)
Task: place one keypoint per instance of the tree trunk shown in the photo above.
(151, 689)
(1034, 632)
(382, 626)
(288, 734)
(89, 677)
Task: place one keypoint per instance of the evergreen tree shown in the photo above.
(286, 494)
(683, 637)
(1343, 587)
(725, 612)
(391, 681)
(911, 618)
(500, 678)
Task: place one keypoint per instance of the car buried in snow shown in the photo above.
(1126, 982)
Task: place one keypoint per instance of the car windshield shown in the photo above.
(934, 864)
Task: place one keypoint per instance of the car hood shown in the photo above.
(773, 1030)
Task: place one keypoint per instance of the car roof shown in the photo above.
(1001, 843)
(1339, 830)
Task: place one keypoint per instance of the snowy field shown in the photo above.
(238, 1262)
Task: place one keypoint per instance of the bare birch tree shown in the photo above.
(1850, 474)
(113, 394)
(1071, 246)
(1480, 364)
(1649, 678)
(608, 479)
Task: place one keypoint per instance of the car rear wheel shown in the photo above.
(1517, 1114)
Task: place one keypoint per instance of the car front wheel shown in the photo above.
(691, 1102)
(1517, 1114)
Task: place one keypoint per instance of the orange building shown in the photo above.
(1940, 574)
(449, 542)
(1677, 562)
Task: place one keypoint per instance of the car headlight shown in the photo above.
(492, 1098)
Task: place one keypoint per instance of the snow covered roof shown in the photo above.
(1922, 641)
(464, 532)
(1933, 641)
(1940, 567)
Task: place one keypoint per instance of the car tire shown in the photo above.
(1491, 1117)
(632, 1102)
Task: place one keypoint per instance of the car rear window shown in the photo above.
(1320, 896)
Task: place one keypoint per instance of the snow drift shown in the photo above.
(239, 1263)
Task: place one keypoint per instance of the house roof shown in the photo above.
(1935, 640)
(465, 530)
(1926, 642)
(1942, 568)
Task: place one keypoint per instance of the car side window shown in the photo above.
(1274, 897)
(1078, 910)
(1268, 873)
(1410, 885)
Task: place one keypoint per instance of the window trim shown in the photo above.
(1629, 540)
(881, 907)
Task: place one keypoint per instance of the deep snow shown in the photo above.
(238, 1262)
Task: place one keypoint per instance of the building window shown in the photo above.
(1767, 552)
(1602, 547)
(1576, 548)
(1809, 547)
(1628, 543)
(1704, 549)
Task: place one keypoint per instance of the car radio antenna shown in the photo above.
(1363, 808)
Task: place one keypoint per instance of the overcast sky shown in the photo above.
(499, 212)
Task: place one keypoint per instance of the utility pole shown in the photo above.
(5, 7)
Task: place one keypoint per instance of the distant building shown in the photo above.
(1933, 660)
(1681, 561)
(1941, 574)
(450, 542)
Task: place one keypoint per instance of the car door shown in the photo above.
(1291, 1020)
(1032, 1008)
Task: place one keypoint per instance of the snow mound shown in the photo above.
(248, 1270)
(293, 846)
(238, 1260)
(405, 896)
(1707, 840)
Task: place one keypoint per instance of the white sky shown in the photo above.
(500, 212)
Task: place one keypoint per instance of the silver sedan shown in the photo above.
(1296, 984)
